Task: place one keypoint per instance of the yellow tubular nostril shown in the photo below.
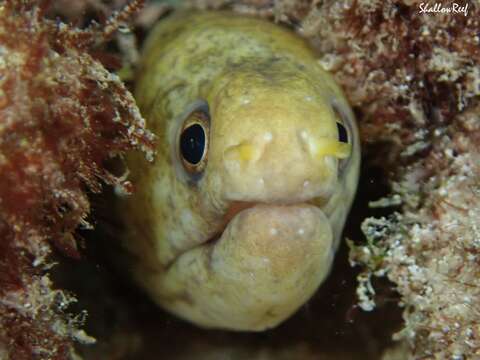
(332, 147)
(243, 153)
(320, 147)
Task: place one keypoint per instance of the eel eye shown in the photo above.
(345, 128)
(192, 144)
(342, 133)
(344, 123)
(193, 141)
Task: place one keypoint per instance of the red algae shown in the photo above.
(62, 114)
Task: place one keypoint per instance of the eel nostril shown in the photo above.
(249, 151)
(320, 147)
(242, 153)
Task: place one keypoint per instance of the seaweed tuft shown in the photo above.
(62, 115)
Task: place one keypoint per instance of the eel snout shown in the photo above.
(268, 261)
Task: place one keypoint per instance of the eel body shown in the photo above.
(236, 222)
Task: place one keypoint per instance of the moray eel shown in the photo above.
(236, 222)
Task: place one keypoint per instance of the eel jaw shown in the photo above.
(267, 262)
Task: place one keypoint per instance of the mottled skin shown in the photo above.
(271, 200)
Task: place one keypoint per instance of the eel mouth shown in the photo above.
(237, 207)
(265, 263)
(234, 208)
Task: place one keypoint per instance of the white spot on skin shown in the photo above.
(268, 136)
(301, 231)
(246, 101)
(304, 134)
(273, 231)
(186, 217)
(261, 181)
(306, 183)
(308, 98)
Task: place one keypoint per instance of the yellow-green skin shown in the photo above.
(273, 152)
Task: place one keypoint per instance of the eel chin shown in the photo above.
(267, 263)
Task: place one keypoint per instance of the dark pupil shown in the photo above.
(342, 133)
(192, 143)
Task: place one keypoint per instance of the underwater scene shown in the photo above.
(241, 179)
